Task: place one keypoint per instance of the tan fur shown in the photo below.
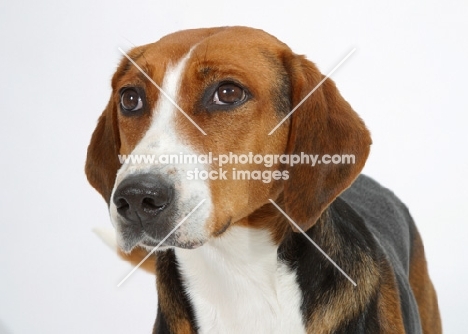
(349, 301)
(390, 314)
(136, 256)
(174, 309)
(423, 289)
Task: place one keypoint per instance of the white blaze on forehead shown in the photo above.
(165, 110)
(162, 139)
(162, 133)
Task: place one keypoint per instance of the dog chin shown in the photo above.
(170, 244)
(128, 243)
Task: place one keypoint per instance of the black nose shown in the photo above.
(140, 198)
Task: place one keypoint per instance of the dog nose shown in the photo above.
(140, 198)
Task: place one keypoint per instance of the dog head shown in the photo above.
(182, 109)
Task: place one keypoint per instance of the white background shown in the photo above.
(407, 80)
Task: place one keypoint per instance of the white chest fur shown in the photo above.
(237, 285)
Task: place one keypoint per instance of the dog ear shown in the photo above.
(323, 125)
(102, 160)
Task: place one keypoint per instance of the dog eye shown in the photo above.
(130, 100)
(229, 93)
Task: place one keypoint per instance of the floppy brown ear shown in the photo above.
(323, 124)
(102, 160)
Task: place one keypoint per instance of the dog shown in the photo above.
(230, 255)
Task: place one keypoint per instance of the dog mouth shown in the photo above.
(131, 236)
(150, 246)
(130, 239)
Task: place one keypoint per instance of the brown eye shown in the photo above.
(130, 100)
(229, 93)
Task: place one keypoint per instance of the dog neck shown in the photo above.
(237, 284)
